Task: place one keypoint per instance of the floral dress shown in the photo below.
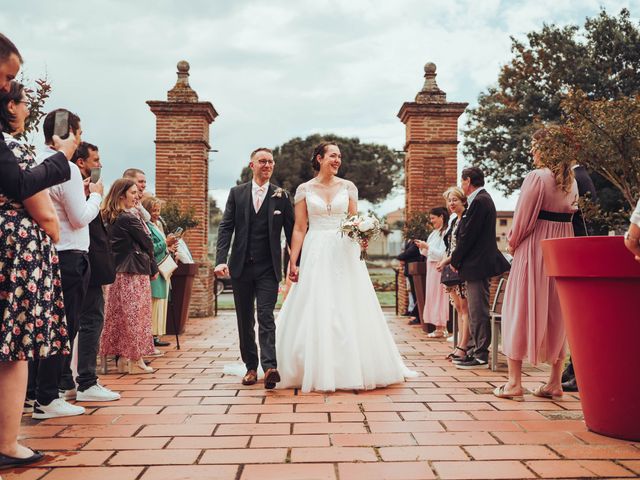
(451, 240)
(33, 323)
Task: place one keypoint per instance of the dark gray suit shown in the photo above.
(255, 265)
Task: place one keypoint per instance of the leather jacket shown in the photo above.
(131, 246)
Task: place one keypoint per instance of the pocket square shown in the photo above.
(277, 212)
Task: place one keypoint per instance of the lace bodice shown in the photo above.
(326, 206)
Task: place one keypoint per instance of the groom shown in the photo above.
(257, 212)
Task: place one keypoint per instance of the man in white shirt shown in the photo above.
(75, 212)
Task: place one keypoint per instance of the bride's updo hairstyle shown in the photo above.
(320, 150)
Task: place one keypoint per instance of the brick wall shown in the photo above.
(182, 172)
(431, 164)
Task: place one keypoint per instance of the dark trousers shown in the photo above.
(49, 375)
(416, 309)
(479, 321)
(257, 284)
(89, 331)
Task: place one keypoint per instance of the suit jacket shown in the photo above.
(235, 222)
(476, 255)
(585, 185)
(103, 269)
(20, 184)
(411, 253)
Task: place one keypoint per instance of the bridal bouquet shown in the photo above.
(360, 229)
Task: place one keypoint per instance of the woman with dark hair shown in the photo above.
(32, 323)
(127, 319)
(332, 334)
(532, 325)
(436, 301)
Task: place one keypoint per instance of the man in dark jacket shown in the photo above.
(15, 182)
(103, 272)
(411, 254)
(477, 259)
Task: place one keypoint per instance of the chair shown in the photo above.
(496, 319)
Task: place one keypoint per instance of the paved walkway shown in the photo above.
(189, 421)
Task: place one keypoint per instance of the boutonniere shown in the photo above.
(279, 193)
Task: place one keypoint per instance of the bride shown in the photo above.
(331, 333)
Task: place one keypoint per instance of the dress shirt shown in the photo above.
(471, 197)
(256, 194)
(74, 210)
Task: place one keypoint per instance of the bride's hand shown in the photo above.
(293, 273)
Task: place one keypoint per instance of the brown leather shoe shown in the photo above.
(250, 378)
(271, 377)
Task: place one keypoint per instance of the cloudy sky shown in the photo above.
(273, 70)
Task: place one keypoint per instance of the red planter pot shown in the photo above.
(598, 282)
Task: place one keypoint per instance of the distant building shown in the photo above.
(504, 220)
(394, 217)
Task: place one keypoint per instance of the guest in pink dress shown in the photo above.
(532, 324)
(436, 304)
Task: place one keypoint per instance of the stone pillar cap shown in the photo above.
(430, 92)
(182, 91)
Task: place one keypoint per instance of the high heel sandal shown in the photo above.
(122, 364)
(542, 393)
(453, 356)
(139, 367)
(437, 334)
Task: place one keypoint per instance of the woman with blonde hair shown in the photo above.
(162, 246)
(457, 203)
(127, 322)
(532, 325)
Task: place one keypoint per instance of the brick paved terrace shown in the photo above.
(190, 421)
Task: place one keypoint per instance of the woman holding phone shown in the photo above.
(127, 319)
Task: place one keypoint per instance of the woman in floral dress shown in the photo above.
(32, 323)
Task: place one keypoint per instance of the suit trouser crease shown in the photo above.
(54, 373)
(89, 331)
(479, 319)
(256, 285)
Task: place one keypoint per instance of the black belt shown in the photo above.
(555, 216)
(73, 251)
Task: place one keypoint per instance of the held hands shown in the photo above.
(294, 272)
(221, 270)
(67, 146)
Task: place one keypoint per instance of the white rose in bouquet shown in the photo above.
(367, 224)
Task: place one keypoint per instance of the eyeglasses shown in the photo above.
(264, 162)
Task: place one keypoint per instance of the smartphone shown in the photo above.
(61, 124)
(178, 231)
(95, 174)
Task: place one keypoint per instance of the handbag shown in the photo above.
(449, 277)
(167, 266)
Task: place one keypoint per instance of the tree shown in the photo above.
(375, 169)
(602, 60)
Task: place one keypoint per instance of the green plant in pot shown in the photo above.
(597, 278)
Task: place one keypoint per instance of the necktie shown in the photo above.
(258, 198)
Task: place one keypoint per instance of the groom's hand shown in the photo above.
(293, 273)
(221, 270)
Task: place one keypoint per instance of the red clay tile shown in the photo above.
(386, 471)
(537, 438)
(422, 453)
(99, 431)
(254, 429)
(155, 457)
(209, 442)
(481, 426)
(597, 451)
(509, 452)
(176, 430)
(191, 472)
(95, 473)
(55, 443)
(294, 417)
(454, 438)
(289, 472)
(75, 459)
(482, 470)
(244, 455)
(333, 454)
(421, 426)
(262, 441)
(134, 443)
(572, 468)
(23, 473)
(329, 428)
(371, 439)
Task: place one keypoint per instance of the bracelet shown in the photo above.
(628, 236)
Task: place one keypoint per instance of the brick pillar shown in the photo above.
(431, 164)
(182, 172)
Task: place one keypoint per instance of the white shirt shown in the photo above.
(74, 210)
(436, 247)
(635, 216)
(471, 197)
(255, 193)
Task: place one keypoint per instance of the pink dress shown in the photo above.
(532, 325)
(436, 299)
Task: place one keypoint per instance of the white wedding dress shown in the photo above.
(331, 333)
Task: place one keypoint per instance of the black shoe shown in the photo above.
(570, 385)
(473, 364)
(159, 343)
(464, 359)
(415, 321)
(11, 462)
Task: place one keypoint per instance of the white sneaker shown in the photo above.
(58, 408)
(68, 394)
(97, 393)
(28, 406)
(450, 339)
